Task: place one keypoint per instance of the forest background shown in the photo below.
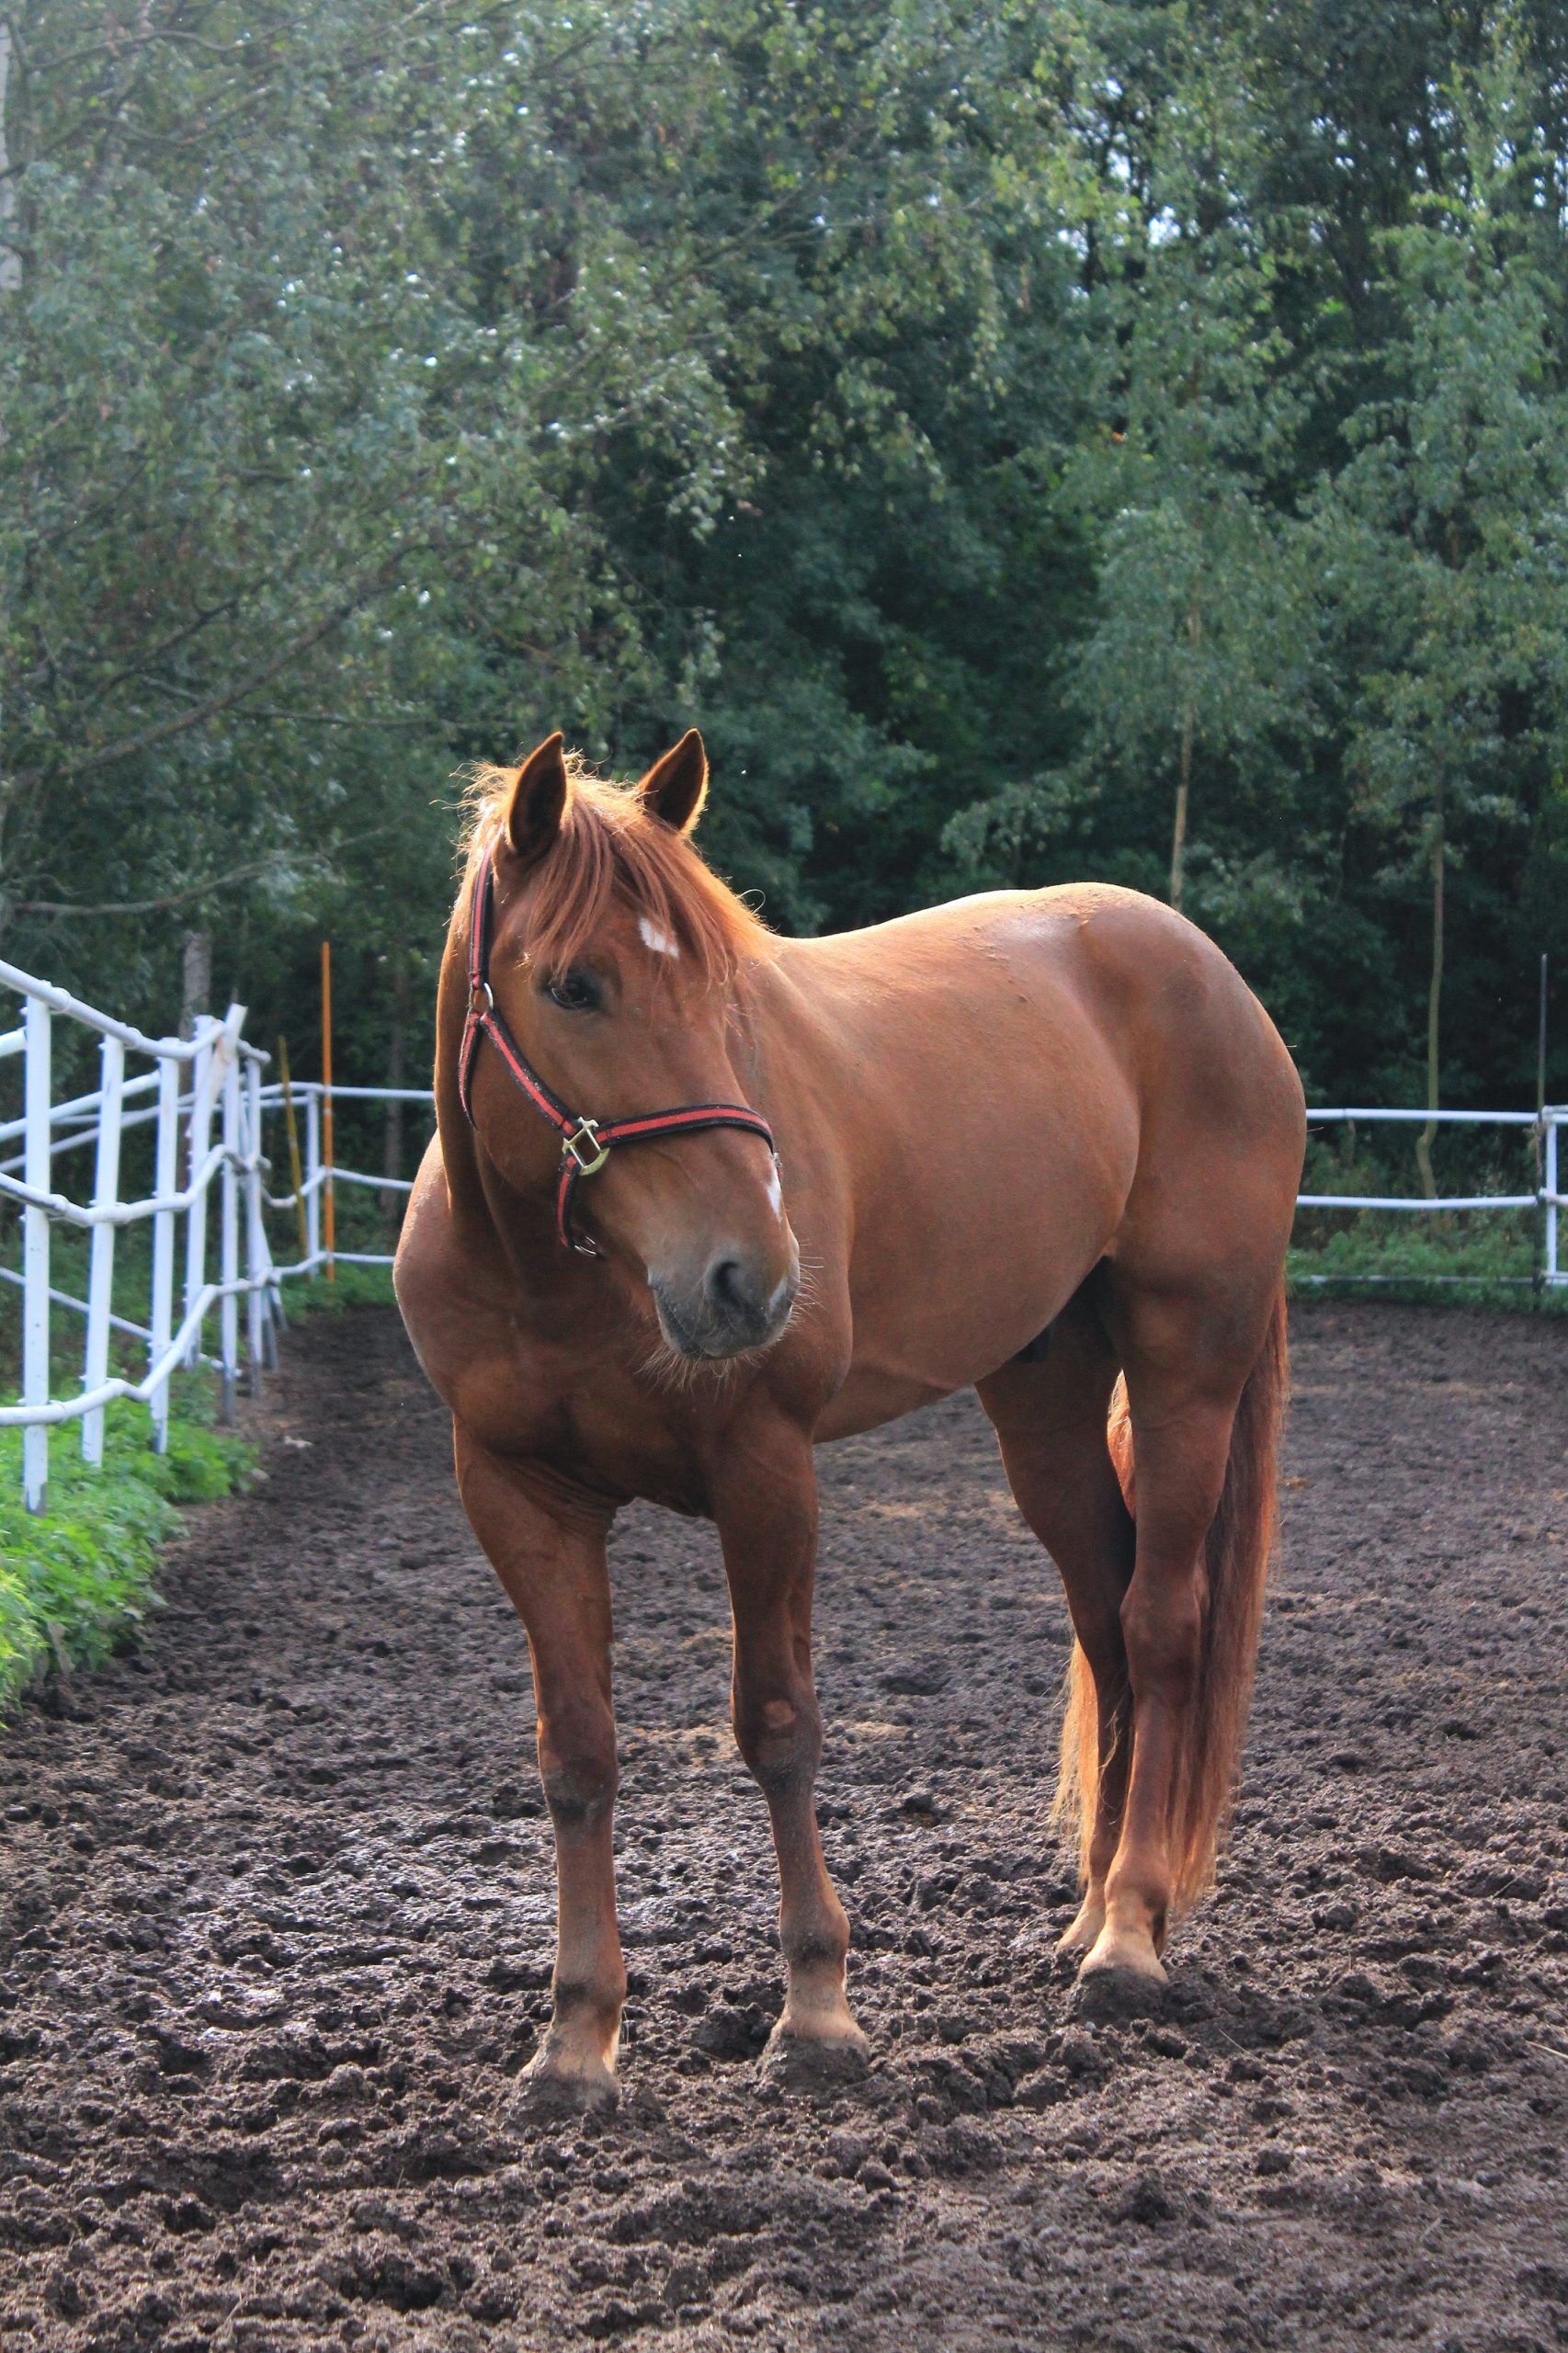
(1031, 441)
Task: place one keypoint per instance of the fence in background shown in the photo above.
(208, 1105)
(318, 1176)
(1546, 1126)
(214, 1079)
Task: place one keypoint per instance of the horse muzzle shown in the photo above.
(736, 1307)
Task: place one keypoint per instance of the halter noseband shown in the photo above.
(585, 1144)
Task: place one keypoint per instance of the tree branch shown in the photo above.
(146, 907)
(129, 747)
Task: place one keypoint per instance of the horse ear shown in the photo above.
(538, 799)
(676, 787)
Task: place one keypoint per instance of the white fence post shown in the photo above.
(198, 1131)
(100, 1279)
(37, 1176)
(165, 1182)
(1554, 1122)
(229, 1310)
(257, 1306)
(313, 1176)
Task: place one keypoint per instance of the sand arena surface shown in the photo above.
(277, 1906)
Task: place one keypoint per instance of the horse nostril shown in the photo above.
(731, 1291)
(734, 1309)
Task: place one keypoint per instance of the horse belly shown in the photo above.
(978, 1235)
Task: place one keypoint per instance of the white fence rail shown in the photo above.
(215, 1080)
(209, 1080)
(1546, 1126)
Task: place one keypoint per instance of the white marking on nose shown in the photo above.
(775, 1192)
(659, 941)
(779, 1288)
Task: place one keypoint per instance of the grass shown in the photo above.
(1480, 1258)
(76, 1582)
(1475, 1258)
(351, 1286)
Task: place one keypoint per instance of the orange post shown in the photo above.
(329, 1206)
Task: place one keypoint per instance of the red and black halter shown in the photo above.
(585, 1144)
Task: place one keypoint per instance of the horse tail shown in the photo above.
(1236, 1553)
(1078, 1776)
(1241, 1536)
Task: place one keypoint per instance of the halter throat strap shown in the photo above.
(585, 1144)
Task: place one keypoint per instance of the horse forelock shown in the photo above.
(609, 850)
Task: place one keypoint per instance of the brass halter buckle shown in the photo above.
(583, 1145)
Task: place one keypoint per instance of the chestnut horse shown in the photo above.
(1044, 1142)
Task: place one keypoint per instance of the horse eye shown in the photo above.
(574, 992)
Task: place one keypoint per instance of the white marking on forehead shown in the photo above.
(775, 1192)
(659, 941)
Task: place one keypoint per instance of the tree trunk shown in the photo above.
(196, 979)
(1434, 999)
(10, 260)
(1184, 773)
(397, 1043)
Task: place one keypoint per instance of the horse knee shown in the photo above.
(778, 1734)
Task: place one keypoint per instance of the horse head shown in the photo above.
(602, 963)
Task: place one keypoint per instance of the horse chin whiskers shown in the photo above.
(671, 1367)
(666, 1368)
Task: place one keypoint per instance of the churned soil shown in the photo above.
(277, 1916)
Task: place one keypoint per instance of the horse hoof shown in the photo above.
(546, 2092)
(813, 2063)
(1084, 1935)
(1108, 1993)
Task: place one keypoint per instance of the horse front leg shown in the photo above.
(766, 1515)
(555, 1568)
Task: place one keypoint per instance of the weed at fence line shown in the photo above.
(353, 1287)
(76, 1582)
(1472, 1259)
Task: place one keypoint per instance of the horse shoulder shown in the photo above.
(452, 1297)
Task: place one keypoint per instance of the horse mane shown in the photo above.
(609, 847)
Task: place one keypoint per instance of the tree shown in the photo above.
(1442, 535)
(1201, 643)
(1010, 412)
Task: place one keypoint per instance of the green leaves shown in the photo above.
(76, 1584)
(1031, 443)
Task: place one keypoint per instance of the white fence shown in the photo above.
(215, 1079)
(1546, 1126)
(210, 1080)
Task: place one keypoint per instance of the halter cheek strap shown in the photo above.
(585, 1144)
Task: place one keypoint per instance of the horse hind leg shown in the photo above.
(1049, 1410)
(1205, 1404)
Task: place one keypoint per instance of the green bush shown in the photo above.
(77, 1581)
(1487, 1258)
(351, 1286)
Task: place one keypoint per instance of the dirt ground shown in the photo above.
(278, 1912)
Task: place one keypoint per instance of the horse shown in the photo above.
(1045, 1144)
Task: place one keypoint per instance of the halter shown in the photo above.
(585, 1144)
